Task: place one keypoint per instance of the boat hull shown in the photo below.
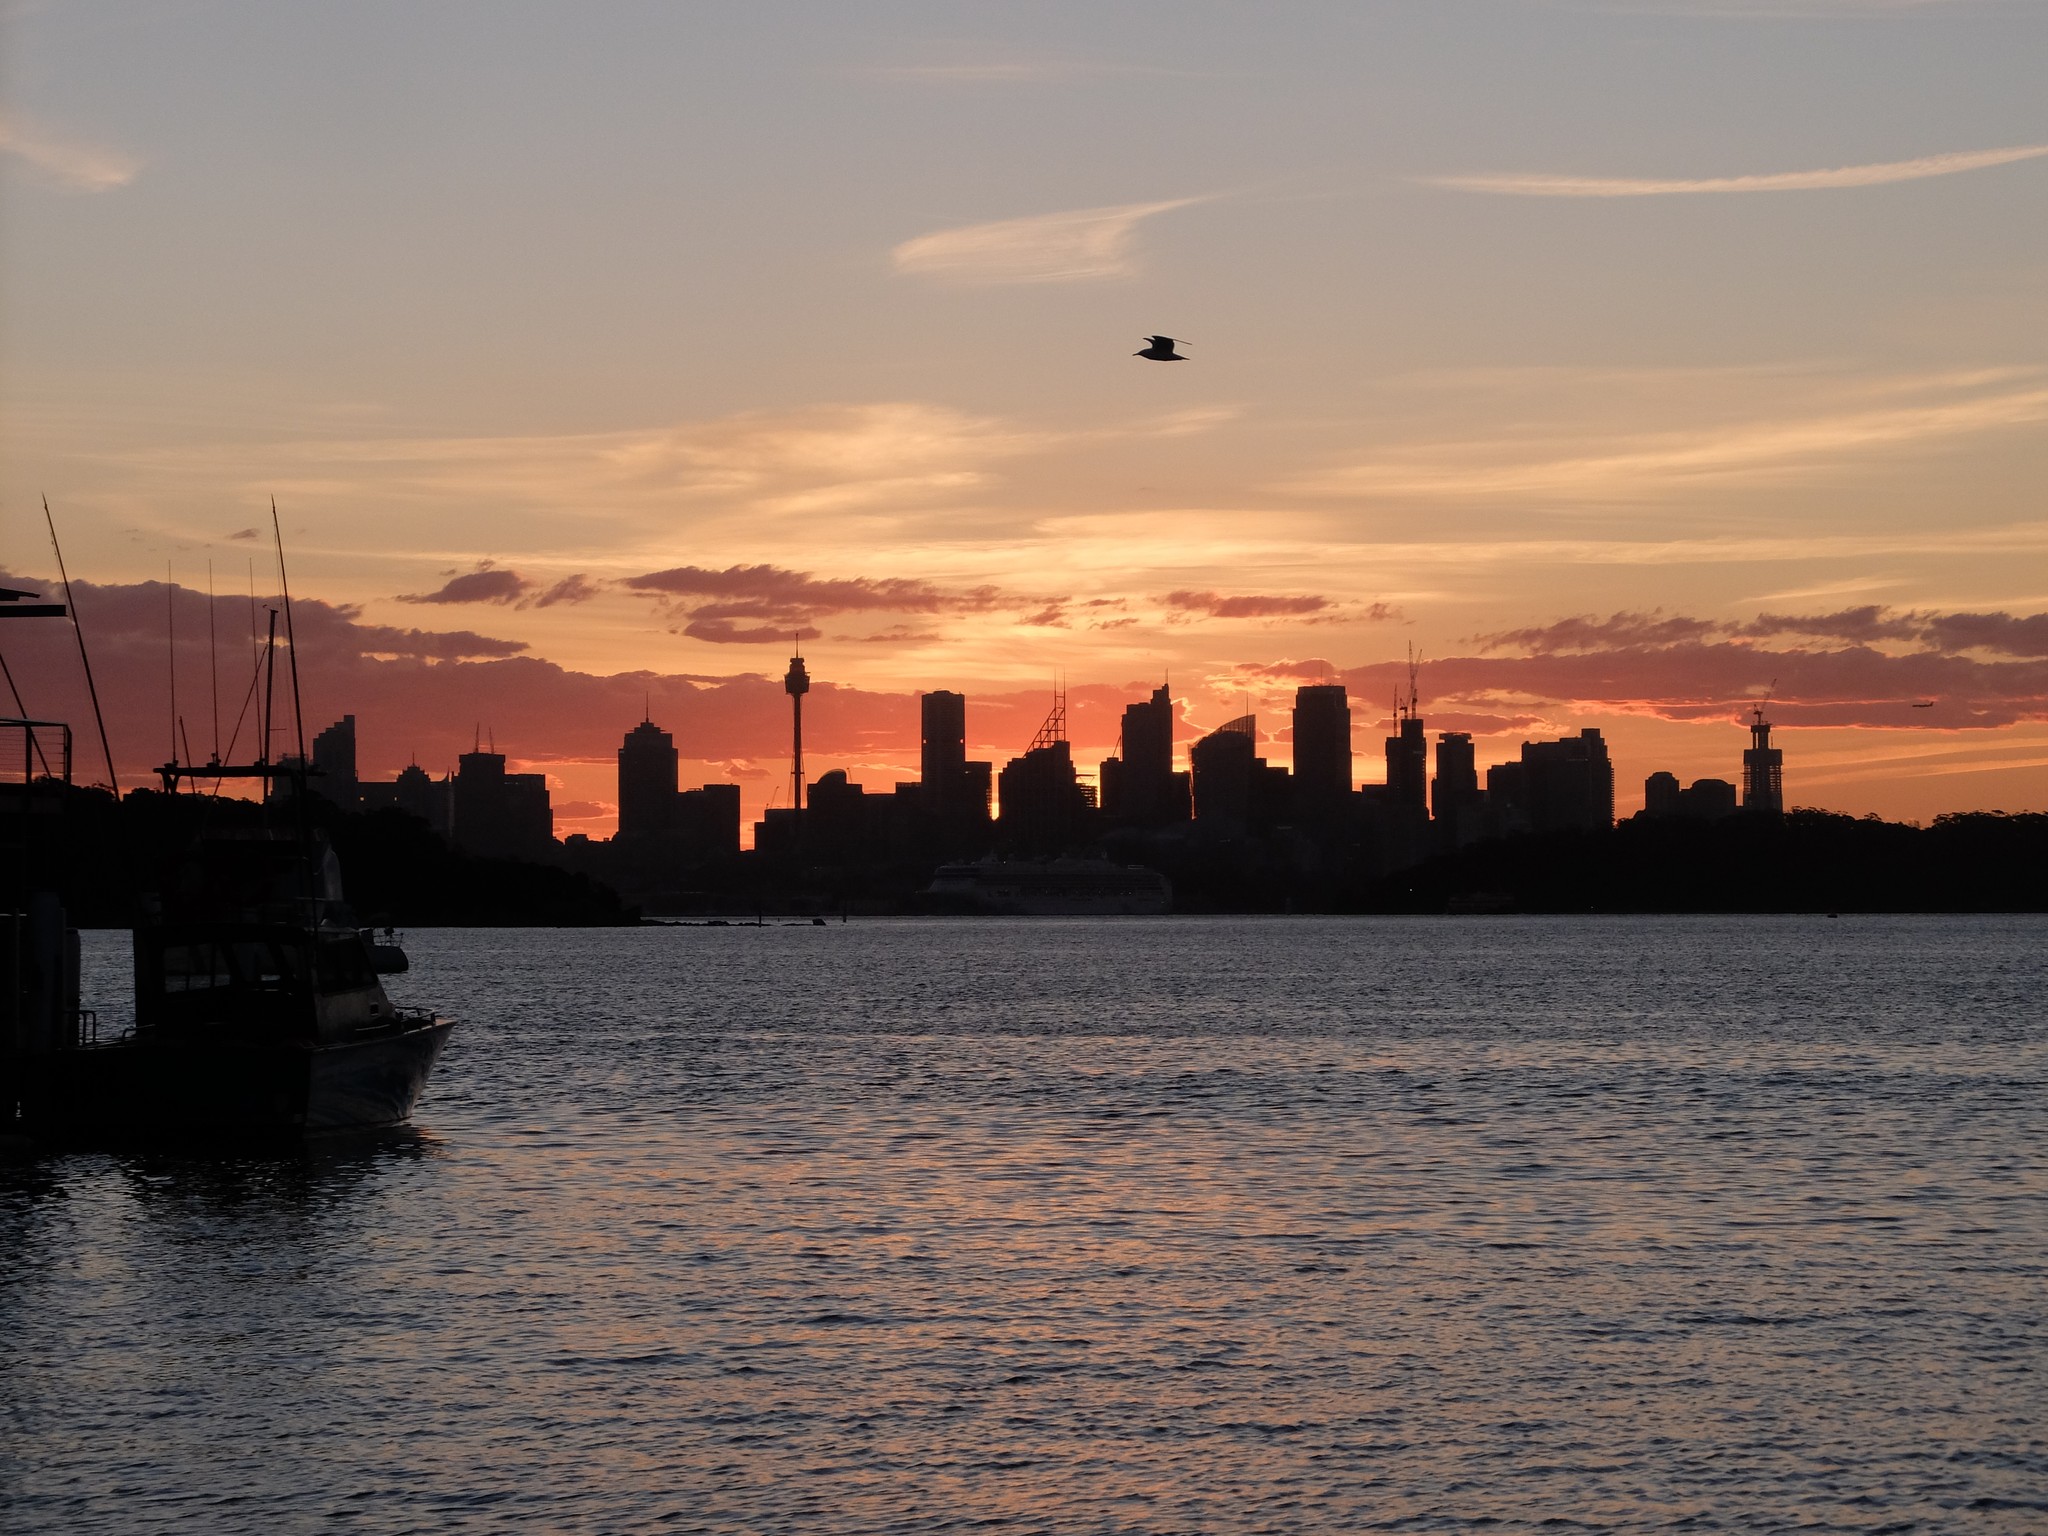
(143, 1089)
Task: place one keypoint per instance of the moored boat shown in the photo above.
(258, 1012)
(258, 1009)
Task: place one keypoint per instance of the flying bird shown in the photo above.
(1160, 350)
(1928, 705)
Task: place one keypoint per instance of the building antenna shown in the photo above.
(84, 660)
(1054, 731)
(290, 635)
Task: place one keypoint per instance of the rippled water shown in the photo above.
(1150, 1226)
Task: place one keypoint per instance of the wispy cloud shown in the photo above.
(1521, 184)
(1628, 468)
(1219, 605)
(706, 602)
(490, 583)
(1075, 246)
(88, 167)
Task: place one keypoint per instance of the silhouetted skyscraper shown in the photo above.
(1456, 788)
(432, 800)
(499, 814)
(334, 761)
(708, 821)
(1661, 794)
(947, 815)
(1322, 749)
(1139, 786)
(1224, 765)
(648, 767)
(1706, 800)
(942, 754)
(1557, 786)
(1408, 768)
(1763, 769)
(1042, 808)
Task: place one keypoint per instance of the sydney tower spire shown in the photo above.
(796, 683)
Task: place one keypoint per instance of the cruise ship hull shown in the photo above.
(149, 1090)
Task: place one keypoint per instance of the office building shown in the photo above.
(334, 764)
(1557, 786)
(1139, 786)
(1041, 807)
(499, 814)
(1322, 751)
(648, 782)
(1454, 793)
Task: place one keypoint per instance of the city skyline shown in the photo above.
(868, 735)
(1629, 361)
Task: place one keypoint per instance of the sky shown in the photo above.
(1629, 362)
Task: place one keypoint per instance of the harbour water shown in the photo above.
(1168, 1225)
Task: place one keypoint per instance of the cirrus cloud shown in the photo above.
(1078, 245)
(1536, 184)
(84, 167)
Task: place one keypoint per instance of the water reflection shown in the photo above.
(1154, 1228)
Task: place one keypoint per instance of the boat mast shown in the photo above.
(269, 687)
(100, 720)
(291, 637)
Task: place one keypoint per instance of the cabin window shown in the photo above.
(260, 964)
(196, 967)
(270, 966)
(344, 964)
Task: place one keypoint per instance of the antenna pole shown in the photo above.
(99, 719)
(290, 634)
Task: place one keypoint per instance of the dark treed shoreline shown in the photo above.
(397, 871)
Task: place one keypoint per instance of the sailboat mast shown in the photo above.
(77, 629)
(213, 657)
(171, 646)
(269, 686)
(291, 635)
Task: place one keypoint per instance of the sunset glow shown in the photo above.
(800, 322)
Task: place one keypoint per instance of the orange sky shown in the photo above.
(1626, 361)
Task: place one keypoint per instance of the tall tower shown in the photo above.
(796, 683)
(1763, 769)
